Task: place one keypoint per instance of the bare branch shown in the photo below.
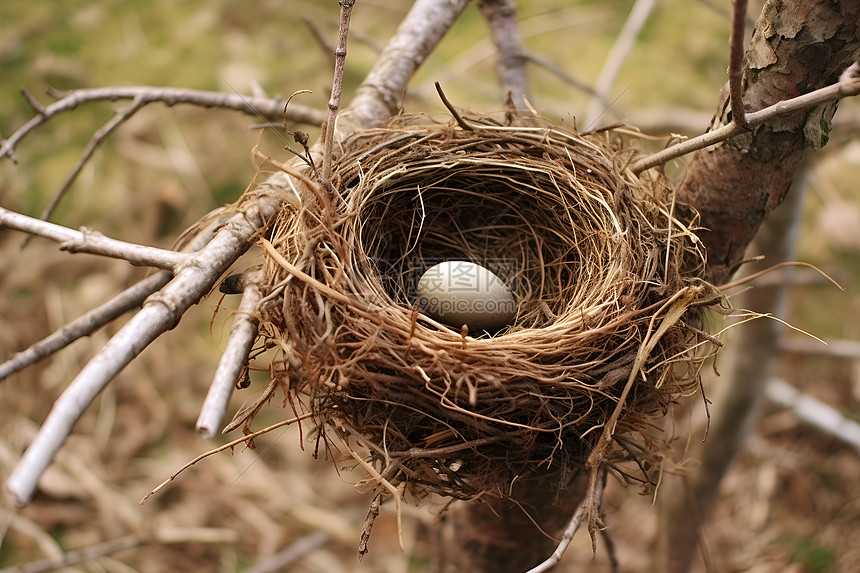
(573, 525)
(380, 95)
(620, 50)
(736, 62)
(160, 312)
(336, 86)
(93, 242)
(847, 86)
(501, 16)
(814, 412)
(417, 36)
(91, 321)
(564, 75)
(86, 324)
(281, 560)
(269, 108)
(235, 357)
(796, 49)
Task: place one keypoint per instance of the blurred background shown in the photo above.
(790, 502)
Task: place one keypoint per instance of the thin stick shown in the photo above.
(93, 242)
(91, 321)
(847, 86)
(86, 324)
(235, 356)
(736, 62)
(393, 491)
(814, 412)
(501, 16)
(367, 527)
(447, 103)
(228, 445)
(270, 108)
(619, 52)
(281, 560)
(751, 277)
(161, 312)
(336, 86)
(573, 525)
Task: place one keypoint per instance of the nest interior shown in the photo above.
(593, 254)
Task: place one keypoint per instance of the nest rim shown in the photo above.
(377, 373)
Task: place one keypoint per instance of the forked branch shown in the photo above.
(271, 109)
(160, 312)
(91, 321)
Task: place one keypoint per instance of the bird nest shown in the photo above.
(604, 268)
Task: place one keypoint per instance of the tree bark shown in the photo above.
(501, 536)
(797, 47)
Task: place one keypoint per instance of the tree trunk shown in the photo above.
(797, 47)
(503, 537)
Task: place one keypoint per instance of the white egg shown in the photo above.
(460, 292)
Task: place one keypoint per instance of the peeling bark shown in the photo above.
(797, 47)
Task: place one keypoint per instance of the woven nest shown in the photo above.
(603, 266)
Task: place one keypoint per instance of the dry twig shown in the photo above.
(196, 274)
(234, 358)
(269, 108)
(847, 86)
(573, 526)
(336, 87)
(229, 445)
(160, 312)
(93, 242)
(94, 319)
(620, 50)
(501, 16)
